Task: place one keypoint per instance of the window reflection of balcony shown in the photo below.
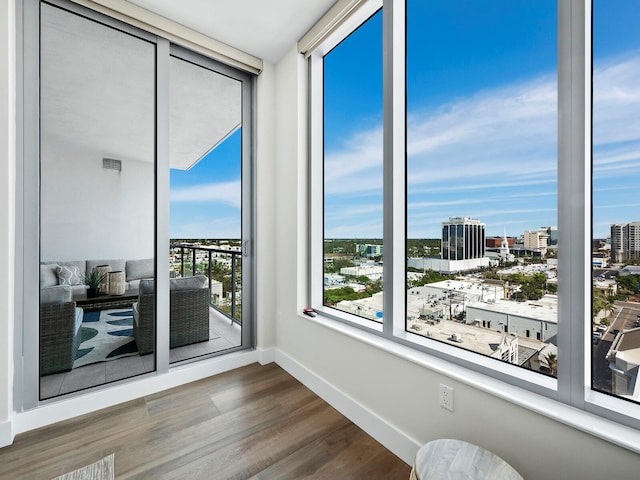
(224, 335)
(223, 268)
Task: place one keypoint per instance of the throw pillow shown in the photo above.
(57, 294)
(69, 275)
(146, 287)
(49, 275)
(138, 269)
(188, 283)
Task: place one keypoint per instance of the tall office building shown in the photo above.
(462, 239)
(552, 235)
(625, 241)
(536, 240)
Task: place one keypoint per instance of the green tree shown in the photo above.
(335, 295)
(431, 276)
(628, 284)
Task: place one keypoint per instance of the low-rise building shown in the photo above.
(373, 272)
(448, 266)
(624, 362)
(532, 319)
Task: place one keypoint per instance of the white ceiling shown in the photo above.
(97, 96)
(263, 28)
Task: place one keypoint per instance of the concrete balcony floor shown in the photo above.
(223, 333)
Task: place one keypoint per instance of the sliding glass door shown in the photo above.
(142, 175)
(206, 152)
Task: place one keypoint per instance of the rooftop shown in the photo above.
(545, 309)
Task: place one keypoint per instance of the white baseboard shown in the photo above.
(6, 433)
(266, 355)
(393, 439)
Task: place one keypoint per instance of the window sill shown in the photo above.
(582, 420)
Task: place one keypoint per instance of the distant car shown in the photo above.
(602, 329)
(595, 338)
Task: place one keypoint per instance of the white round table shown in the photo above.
(448, 459)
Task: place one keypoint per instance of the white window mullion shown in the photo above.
(316, 171)
(394, 166)
(162, 198)
(573, 211)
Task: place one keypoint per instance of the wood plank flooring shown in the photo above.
(255, 422)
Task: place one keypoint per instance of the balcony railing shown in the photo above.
(222, 267)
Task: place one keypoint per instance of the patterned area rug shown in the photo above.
(106, 335)
(100, 470)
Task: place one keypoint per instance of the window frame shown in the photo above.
(26, 394)
(572, 388)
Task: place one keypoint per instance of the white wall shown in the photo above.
(89, 212)
(265, 206)
(385, 386)
(7, 217)
(290, 119)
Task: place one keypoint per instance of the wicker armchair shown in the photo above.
(60, 322)
(188, 314)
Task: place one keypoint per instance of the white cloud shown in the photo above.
(499, 143)
(228, 193)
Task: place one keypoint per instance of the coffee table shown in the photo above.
(105, 302)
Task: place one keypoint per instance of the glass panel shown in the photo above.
(97, 194)
(353, 253)
(482, 177)
(206, 211)
(616, 221)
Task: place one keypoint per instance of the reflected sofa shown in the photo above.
(60, 322)
(72, 273)
(188, 313)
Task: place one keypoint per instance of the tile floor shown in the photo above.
(224, 335)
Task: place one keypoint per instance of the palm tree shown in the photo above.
(552, 361)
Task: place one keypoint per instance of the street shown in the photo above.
(624, 316)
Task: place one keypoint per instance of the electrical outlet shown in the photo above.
(446, 397)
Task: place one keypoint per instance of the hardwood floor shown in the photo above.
(256, 422)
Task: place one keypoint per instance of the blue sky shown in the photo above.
(481, 125)
(481, 118)
(206, 200)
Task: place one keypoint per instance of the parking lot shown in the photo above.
(604, 273)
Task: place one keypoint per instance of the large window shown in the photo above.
(482, 242)
(486, 201)
(353, 250)
(616, 179)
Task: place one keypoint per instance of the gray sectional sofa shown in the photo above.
(60, 319)
(61, 285)
(72, 273)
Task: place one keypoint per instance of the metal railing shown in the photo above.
(192, 263)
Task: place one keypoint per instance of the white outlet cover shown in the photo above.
(446, 397)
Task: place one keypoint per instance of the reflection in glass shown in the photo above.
(97, 193)
(353, 178)
(206, 192)
(616, 222)
(482, 243)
